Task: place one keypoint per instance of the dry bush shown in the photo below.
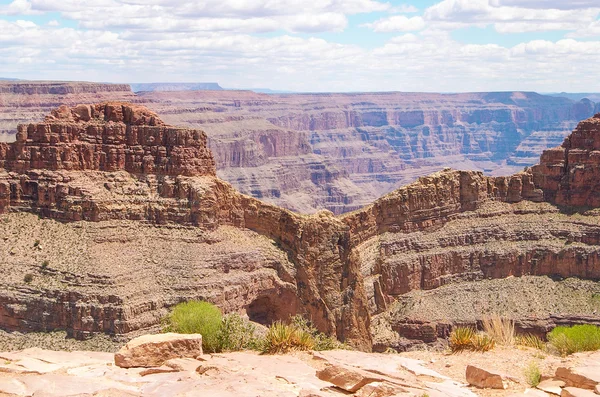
(482, 343)
(461, 339)
(502, 330)
(530, 340)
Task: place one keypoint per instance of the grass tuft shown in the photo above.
(482, 343)
(502, 330)
(460, 339)
(530, 340)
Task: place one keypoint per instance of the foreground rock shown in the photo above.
(156, 350)
(241, 374)
(484, 379)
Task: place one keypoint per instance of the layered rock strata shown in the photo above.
(118, 164)
(343, 151)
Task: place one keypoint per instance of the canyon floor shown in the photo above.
(37, 372)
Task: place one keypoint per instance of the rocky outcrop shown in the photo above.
(118, 164)
(28, 101)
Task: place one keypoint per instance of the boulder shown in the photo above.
(154, 350)
(484, 379)
(349, 379)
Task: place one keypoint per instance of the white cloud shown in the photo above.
(547, 4)
(396, 23)
(513, 16)
(53, 22)
(403, 9)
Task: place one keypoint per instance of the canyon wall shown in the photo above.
(192, 236)
(26, 101)
(343, 151)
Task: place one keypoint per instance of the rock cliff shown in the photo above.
(343, 151)
(166, 229)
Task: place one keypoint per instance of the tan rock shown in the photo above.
(535, 393)
(587, 377)
(484, 379)
(155, 350)
(163, 369)
(349, 379)
(183, 364)
(597, 389)
(552, 386)
(380, 389)
(577, 392)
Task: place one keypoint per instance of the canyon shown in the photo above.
(116, 216)
(340, 152)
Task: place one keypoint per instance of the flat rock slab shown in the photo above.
(391, 365)
(448, 388)
(577, 392)
(552, 386)
(484, 379)
(585, 377)
(153, 350)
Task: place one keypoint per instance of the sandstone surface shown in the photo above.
(156, 350)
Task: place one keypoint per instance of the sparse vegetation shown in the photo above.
(532, 373)
(236, 333)
(36, 243)
(28, 278)
(321, 340)
(530, 340)
(45, 264)
(197, 317)
(461, 339)
(578, 338)
(502, 330)
(282, 338)
(482, 342)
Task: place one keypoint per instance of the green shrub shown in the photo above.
(460, 339)
(45, 264)
(532, 373)
(28, 278)
(236, 333)
(197, 317)
(568, 340)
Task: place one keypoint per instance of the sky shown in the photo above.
(309, 46)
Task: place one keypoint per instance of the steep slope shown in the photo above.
(147, 224)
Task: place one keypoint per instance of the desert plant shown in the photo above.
(502, 330)
(321, 340)
(36, 243)
(530, 340)
(532, 373)
(28, 278)
(482, 342)
(236, 333)
(461, 339)
(280, 338)
(45, 264)
(568, 340)
(197, 317)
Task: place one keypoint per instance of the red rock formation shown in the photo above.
(117, 161)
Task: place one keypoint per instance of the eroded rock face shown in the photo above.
(116, 163)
